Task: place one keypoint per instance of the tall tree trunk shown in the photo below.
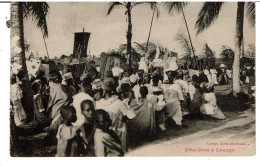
(239, 38)
(17, 34)
(150, 30)
(243, 48)
(129, 32)
(195, 59)
(46, 47)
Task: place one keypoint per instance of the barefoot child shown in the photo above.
(87, 129)
(106, 142)
(67, 133)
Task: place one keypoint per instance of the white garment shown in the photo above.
(191, 90)
(136, 90)
(247, 79)
(211, 102)
(116, 71)
(206, 72)
(213, 73)
(15, 92)
(229, 73)
(183, 84)
(143, 65)
(113, 106)
(16, 96)
(77, 99)
(193, 72)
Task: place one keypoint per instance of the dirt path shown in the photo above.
(240, 129)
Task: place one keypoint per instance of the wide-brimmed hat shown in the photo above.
(108, 84)
(222, 66)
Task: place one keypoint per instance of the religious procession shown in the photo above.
(109, 105)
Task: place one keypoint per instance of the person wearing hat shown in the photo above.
(173, 97)
(222, 75)
(68, 85)
(84, 94)
(117, 110)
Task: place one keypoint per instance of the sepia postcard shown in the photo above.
(139, 79)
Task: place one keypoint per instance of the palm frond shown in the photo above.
(140, 47)
(250, 12)
(174, 6)
(154, 6)
(38, 11)
(123, 49)
(113, 5)
(184, 44)
(207, 15)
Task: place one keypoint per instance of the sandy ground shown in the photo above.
(201, 136)
(206, 138)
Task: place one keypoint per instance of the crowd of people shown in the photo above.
(96, 116)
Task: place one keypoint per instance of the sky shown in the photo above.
(108, 32)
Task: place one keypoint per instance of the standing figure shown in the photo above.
(66, 134)
(173, 97)
(57, 99)
(116, 109)
(27, 99)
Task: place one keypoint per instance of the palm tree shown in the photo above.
(209, 13)
(178, 7)
(129, 6)
(186, 48)
(208, 56)
(155, 8)
(20, 11)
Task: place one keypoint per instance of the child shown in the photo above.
(87, 129)
(67, 133)
(209, 103)
(106, 142)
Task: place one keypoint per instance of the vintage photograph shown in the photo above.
(109, 79)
